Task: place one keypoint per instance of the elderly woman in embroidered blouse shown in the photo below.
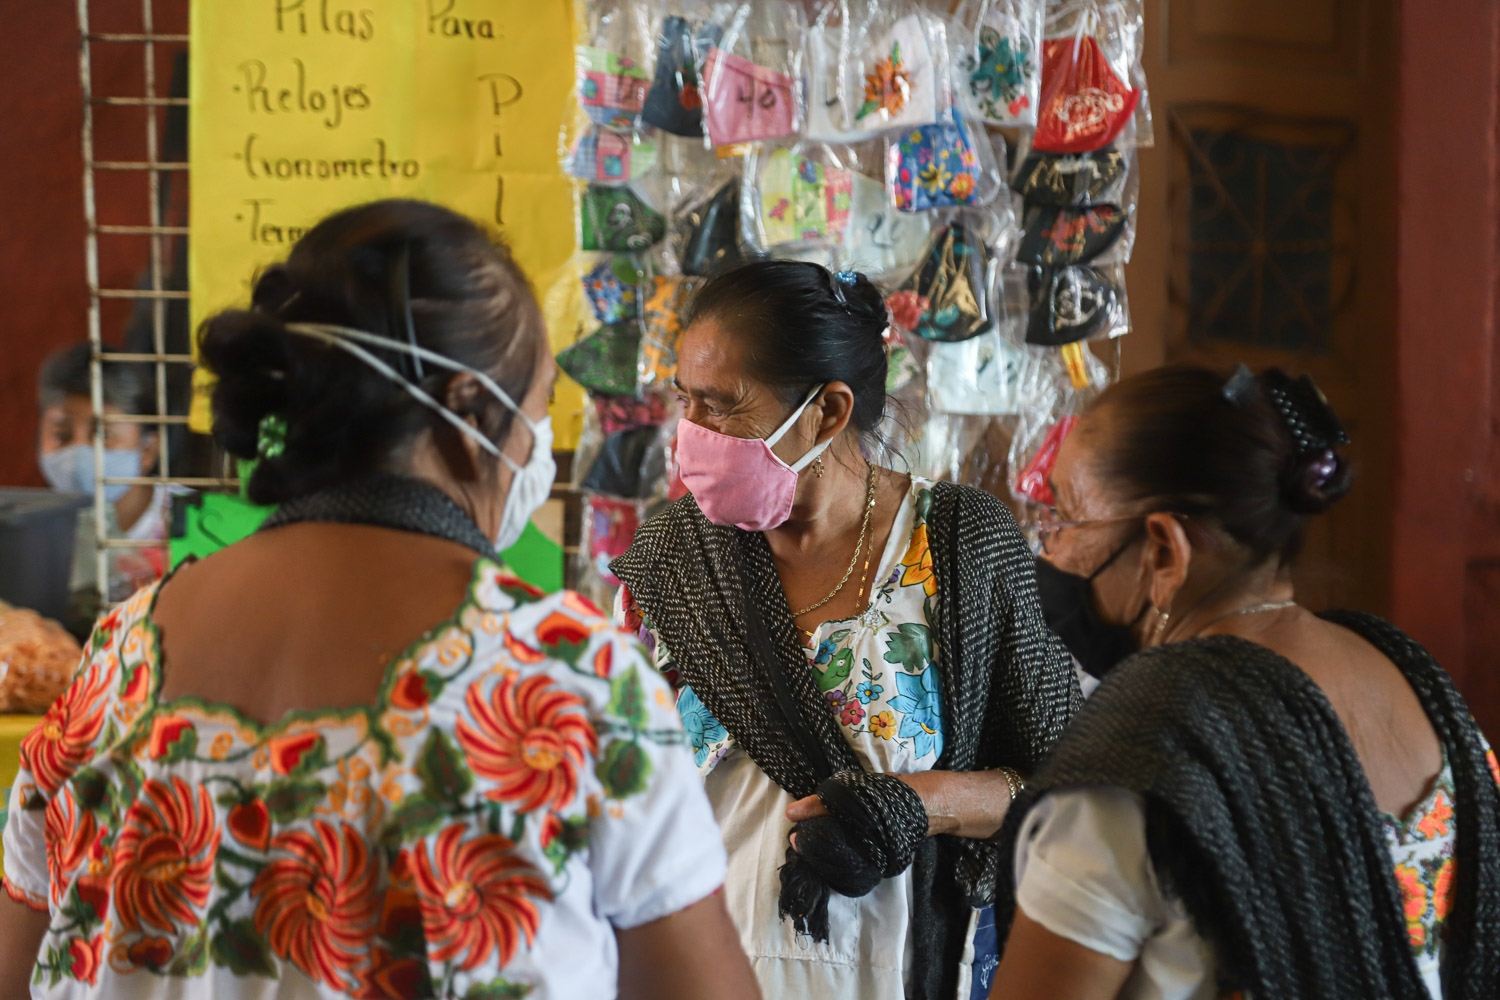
(353, 755)
(843, 630)
(1265, 802)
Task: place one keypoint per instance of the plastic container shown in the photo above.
(37, 532)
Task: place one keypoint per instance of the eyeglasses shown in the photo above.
(1051, 526)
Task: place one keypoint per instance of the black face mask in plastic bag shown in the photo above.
(1069, 304)
(712, 232)
(1068, 606)
(623, 468)
(1070, 178)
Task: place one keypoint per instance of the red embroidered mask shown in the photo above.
(1084, 103)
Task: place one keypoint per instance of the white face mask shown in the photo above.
(71, 469)
(530, 484)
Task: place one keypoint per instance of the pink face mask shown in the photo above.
(740, 481)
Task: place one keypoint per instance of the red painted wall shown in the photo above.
(43, 290)
(1446, 552)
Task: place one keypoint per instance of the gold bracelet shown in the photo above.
(1013, 781)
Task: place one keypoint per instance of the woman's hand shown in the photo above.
(966, 804)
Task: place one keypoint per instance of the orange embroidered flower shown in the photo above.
(1413, 894)
(552, 825)
(509, 581)
(1435, 823)
(287, 751)
(63, 741)
(581, 605)
(520, 652)
(558, 628)
(604, 660)
(1494, 766)
(887, 87)
(163, 866)
(138, 685)
(531, 738)
(409, 693)
(150, 953)
(70, 833)
(962, 187)
(387, 977)
(250, 824)
(918, 563)
(1442, 890)
(85, 958)
(166, 731)
(477, 898)
(317, 904)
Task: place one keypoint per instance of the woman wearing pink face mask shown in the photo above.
(863, 668)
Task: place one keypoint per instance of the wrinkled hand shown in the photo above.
(970, 804)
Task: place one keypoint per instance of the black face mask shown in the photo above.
(1068, 606)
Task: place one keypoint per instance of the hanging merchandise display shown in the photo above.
(997, 46)
(751, 78)
(863, 135)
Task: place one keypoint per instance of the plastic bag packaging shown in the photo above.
(613, 64)
(971, 449)
(948, 297)
(707, 229)
(663, 300)
(611, 289)
(981, 375)
(751, 78)
(607, 157)
(894, 67)
(618, 218)
(1072, 180)
(944, 165)
(608, 529)
(675, 101)
(625, 466)
(1092, 81)
(827, 50)
(1057, 236)
(881, 241)
(1079, 207)
(797, 195)
(1075, 303)
(605, 361)
(997, 55)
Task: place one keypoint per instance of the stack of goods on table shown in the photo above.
(979, 165)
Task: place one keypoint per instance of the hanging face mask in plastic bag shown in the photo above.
(1034, 481)
(622, 466)
(828, 118)
(1057, 236)
(604, 362)
(940, 166)
(1076, 179)
(798, 199)
(1000, 60)
(710, 231)
(750, 78)
(980, 375)
(611, 157)
(663, 300)
(675, 102)
(894, 81)
(947, 299)
(611, 528)
(1084, 103)
(617, 219)
(1070, 304)
(880, 240)
(611, 290)
(611, 88)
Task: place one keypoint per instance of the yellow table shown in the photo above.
(13, 728)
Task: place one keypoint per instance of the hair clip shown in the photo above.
(846, 277)
(1239, 383)
(1304, 411)
(270, 440)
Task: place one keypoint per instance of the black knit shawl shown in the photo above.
(1007, 683)
(1260, 819)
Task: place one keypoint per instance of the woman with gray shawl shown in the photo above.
(862, 663)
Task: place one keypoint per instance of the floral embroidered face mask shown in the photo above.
(611, 157)
(617, 219)
(802, 200)
(1002, 66)
(604, 362)
(829, 119)
(1071, 179)
(661, 327)
(675, 102)
(1084, 104)
(610, 287)
(897, 81)
(934, 166)
(746, 101)
(1058, 236)
(611, 87)
(947, 299)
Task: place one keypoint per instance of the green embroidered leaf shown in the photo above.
(896, 54)
(414, 819)
(90, 788)
(569, 652)
(292, 800)
(434, 683)
(445, 776)
(627, 699)
(241, 950)
(924, 506)
(837, 671)
(623, 769)
(568, 841)
(910, 646)
(840, 635)
(192, 958)
(498, 989)
(866, 108)
(184, 747)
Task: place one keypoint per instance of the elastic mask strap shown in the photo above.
(1117, 553)
(340, 337)
(818, 449)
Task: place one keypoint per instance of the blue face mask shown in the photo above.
(71, 470)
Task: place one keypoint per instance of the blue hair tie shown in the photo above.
(846, 277)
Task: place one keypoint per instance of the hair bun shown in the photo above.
(1315, 481)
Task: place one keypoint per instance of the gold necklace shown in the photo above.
(864, 530)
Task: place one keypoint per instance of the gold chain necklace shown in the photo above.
(864, 530)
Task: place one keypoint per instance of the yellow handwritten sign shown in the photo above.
(302, 107)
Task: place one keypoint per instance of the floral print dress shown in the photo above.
(877, 673)
(519, 791)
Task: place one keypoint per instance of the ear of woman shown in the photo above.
(1168, 553)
